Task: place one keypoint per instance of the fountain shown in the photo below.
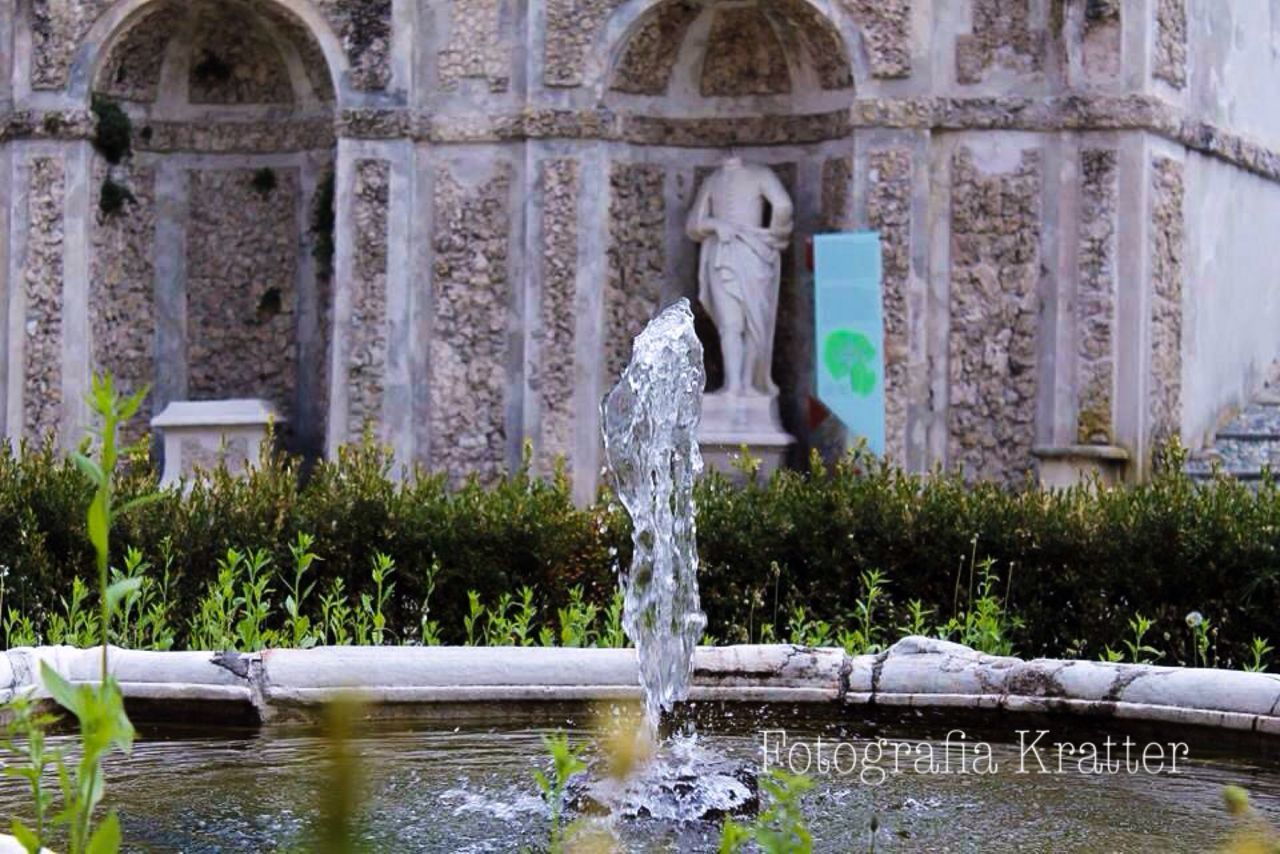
(650, 425)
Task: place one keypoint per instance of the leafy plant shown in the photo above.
(383, 568)
(297, 623)
(576, 620)
(1140, 652)
(429, 629)
(254, 601)
(866, 635)
(781, 827)
(566, 761)
(1260, 654)
(805, 632)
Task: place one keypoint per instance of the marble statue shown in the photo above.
(743, 219)
(740, 266)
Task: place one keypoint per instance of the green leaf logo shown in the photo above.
(849, 354)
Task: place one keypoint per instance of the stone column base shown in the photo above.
(1069, 465)
(732, 424)
(204, 434)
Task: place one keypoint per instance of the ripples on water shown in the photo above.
(469, 788)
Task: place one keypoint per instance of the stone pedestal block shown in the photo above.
(203, 434)
(1065, 466)
(731, 422)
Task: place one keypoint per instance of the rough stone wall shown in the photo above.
(1167, 263)
(132, 68)
(42, 283)
(1095, 302)
(572, 25)
(476, 46)
(469, 342)
(889, 212)
(743, 55)
(241, 287)
(886, 32)
(806, 33)
(837, 177)
(57, 27)
(365, 29)
(554, 379)
(367, 353)
(122, 285)
(650, 54)
(1001, 37)
(1171, 42)
(637, 257)
(232, 63)
(995, 265)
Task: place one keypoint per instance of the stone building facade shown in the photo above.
(444, 220)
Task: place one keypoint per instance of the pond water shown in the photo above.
(464, 784)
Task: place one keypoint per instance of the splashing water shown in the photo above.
(651, 442)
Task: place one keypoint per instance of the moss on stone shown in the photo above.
(113, 197)
(113, 135)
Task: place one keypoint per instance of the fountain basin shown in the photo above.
(228, 758)
(916, 672)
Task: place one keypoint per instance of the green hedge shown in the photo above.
(1077, 564)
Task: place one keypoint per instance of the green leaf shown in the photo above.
(106, 839)
(122, 588)
(62, 691)
(90, 469)
(134, 503)
(99, 522)
(25, 836)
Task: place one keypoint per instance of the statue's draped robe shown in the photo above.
(746, 266)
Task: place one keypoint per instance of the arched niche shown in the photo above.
(691, 81)
(212, 236)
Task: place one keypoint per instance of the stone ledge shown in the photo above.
(1083, 112)
(916, 672)
(1103, 453)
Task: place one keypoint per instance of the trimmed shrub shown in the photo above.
(1075, 565)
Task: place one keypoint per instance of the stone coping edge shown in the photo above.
(916, 672)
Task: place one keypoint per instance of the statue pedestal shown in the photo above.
(728, 423)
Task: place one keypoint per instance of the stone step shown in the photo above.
(1242, 456)
(1257, 421)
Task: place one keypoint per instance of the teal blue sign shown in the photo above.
(849, 325)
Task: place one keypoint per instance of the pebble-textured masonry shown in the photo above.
(637, 257)
(995, 270)
(132, 69)
(650, 54)
(1171, 42)
(810, 37)
(476, 48)
(1095, 302)
(241, 286)
(42, 286)
(886, 31)
(365, 29)
(57, 26)
(1002, 37)
(571, 27)
(122, 313)
(367, 337)
(1167, 249)
(469, 341)
(232, 63)
(743, 55)
(554, 379)
(889, 212)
